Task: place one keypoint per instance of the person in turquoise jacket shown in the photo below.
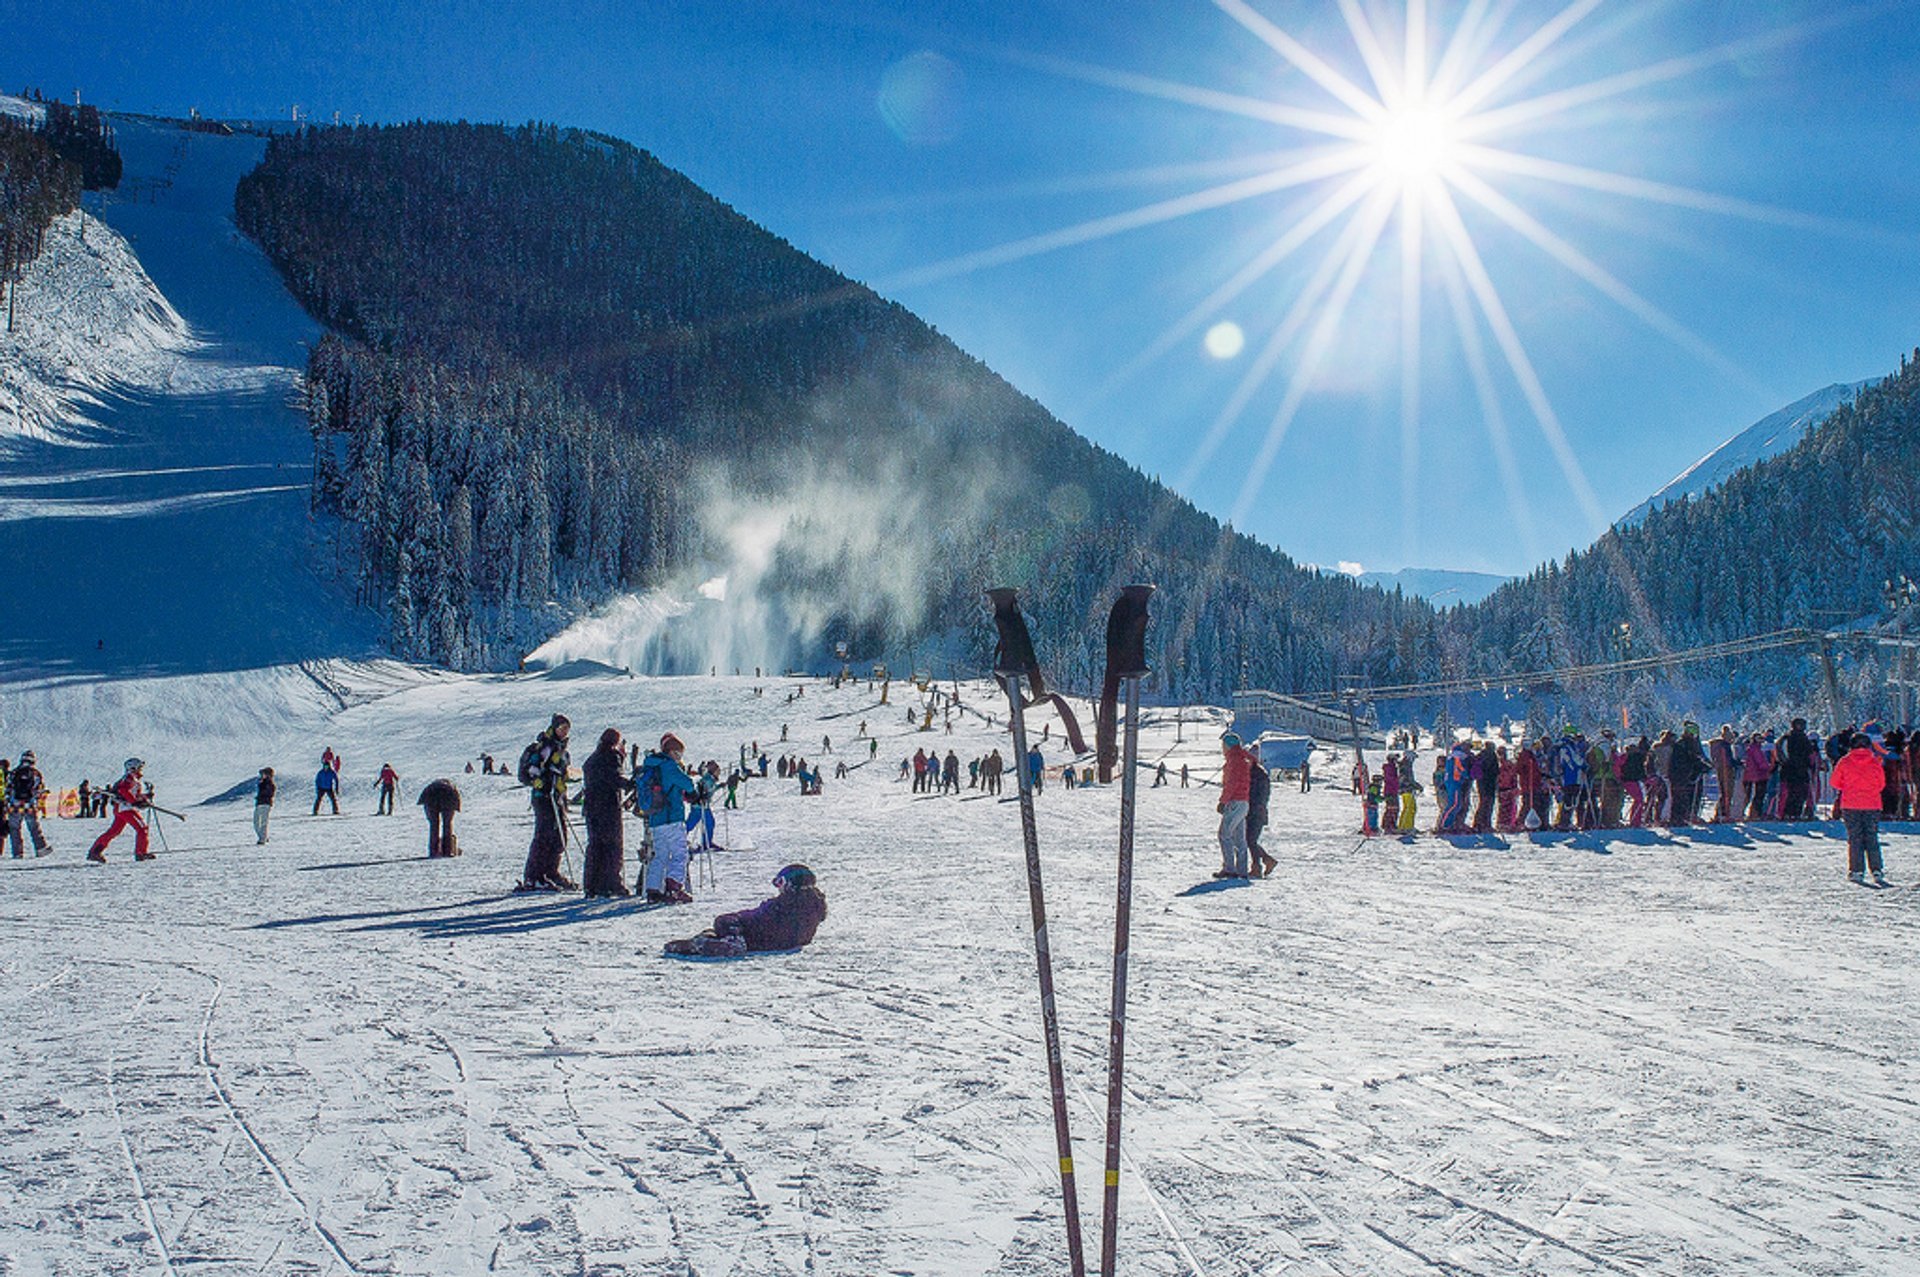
(661, 788)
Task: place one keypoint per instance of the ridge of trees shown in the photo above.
(547, 339)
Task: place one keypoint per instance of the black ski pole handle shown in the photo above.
(1126, 658)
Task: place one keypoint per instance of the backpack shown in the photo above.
(529, 769)
(649, 788)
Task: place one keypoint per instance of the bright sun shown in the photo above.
(1416, 143)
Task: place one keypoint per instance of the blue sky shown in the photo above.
(1770, 246)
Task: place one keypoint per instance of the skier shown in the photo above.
(783, 923)
(662, 786)
(1756, 772)
(263, 794)
(1724, 751)
(873, 748)
(440, 799)
(1860, 777)
(1160, 774)
(25, 788)
(1234, 784)
(1799, 757)
(388, 782)
(950, 773)
(1036, 769)
(1259, 792)
(1306, 774)
(1686, 765)
(604, 784)
(326, 784)
(543, 768)
(130, 799)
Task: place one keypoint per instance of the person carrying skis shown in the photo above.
(326, 785)
(1860, 777)
(440, 799)
(604, 784)
(1235, 784)
(661, 787)
(263, 793)
(130, 800)
(787, 921)
(388, 782)
(543, 769)
(25, 788)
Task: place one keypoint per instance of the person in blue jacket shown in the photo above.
(326, 787)
(661, 788)
(1036, 769)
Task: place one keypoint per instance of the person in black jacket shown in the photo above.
(263, 806)
(1797, 754)
(605, 784)
(1687, 764)
(1259, 797)
(544, 771)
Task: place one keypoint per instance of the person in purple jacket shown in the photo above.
(786, 921)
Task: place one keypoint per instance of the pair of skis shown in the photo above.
(1015, 663)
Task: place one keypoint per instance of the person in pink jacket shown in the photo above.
(1860, 777)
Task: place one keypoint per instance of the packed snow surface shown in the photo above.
(1480, 1056)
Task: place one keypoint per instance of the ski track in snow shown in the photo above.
(1674, 1055)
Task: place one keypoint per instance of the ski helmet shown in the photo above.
(1231, 738)
(136, 764)
(794, 877)
(670, 743)
(27, 757)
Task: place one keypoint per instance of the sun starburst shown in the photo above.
(1441, 121)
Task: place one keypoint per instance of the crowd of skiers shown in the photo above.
(1672, 780)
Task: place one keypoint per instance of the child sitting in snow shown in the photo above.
(787, 921)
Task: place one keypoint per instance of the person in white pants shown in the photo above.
(263, 805)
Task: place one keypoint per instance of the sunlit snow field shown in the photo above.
(332, 1055)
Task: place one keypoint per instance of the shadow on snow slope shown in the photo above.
(172, 535)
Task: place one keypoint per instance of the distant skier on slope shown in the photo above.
(130, 800)
(263, 794)
(388, 782)
(543, 769)
(326, 784)
(787, 921)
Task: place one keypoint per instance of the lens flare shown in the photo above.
(1225, 340)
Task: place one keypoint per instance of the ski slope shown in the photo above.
(153, 458)
(1489, 1056)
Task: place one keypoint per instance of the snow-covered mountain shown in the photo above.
(1768, 437)
(153, 453)
(1442, 587)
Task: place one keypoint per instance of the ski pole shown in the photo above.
(1015, 663)
(1126, 660)
(165, 811)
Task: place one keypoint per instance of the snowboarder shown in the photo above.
(662, 786)
(604, 784)
(1859, 777)
(25, 789)
(785, 922)
(440, 799)
(1234, 784)
(263, 793)
(388, 782)
(543, 768)
(326, 784)
(130, 799)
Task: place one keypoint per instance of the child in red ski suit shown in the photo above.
(129, 801)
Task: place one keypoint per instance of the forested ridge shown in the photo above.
(549, 343)
(1805, 539)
